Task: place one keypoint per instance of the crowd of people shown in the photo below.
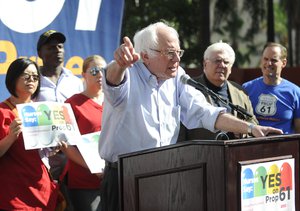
(137, 101)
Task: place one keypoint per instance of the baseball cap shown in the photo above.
(48, 35)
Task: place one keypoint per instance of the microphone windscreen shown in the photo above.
(184, 78)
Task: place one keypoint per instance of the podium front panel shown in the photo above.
(266, 150)
(173, 189)
(197, 175)
(173, 178)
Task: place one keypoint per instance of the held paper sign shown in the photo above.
(45, 123)
(88, 148)
(268, 185)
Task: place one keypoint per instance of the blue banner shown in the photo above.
(90, 27)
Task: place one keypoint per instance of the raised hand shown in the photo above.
(125, 55)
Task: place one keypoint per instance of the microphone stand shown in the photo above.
(215, 96)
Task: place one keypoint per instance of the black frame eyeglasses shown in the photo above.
(170, 53)
(28, 77)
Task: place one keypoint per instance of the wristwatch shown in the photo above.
(250, 128)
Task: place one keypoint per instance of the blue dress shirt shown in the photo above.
(143, 113)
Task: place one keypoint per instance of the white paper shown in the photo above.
(88, 148)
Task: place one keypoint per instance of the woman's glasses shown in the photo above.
(95, 70)
(28, 77)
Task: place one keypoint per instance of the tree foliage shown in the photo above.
(242, 24)
(186, 16)
(229, 23)
(291, 8)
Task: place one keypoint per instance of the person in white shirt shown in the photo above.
(145, 102)
(57, 84)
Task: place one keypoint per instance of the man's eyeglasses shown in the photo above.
(219, 61)
(95, 70)
(28, 77)
(170, 53)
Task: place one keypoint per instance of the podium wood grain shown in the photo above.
(196, 175)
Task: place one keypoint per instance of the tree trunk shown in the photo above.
(270, 30)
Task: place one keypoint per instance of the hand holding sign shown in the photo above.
(45, 124)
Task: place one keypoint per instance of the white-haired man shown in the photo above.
(145, 102)
(218, 60)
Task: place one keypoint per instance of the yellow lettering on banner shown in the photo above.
(38, 60)
(8, 48)
(75, 65)
(11, 54)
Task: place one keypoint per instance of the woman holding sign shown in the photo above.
(24, 179)
(84, 187)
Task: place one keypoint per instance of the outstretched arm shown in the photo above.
(227, 122)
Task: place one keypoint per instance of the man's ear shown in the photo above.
(144, 57)
(204, 65)
(284, 62)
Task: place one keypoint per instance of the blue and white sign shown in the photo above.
(90, 26)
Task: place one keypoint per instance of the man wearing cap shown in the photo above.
(57, 84)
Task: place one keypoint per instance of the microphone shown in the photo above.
(186, 79)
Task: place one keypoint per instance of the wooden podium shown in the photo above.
(198, 175)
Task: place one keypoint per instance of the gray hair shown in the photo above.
(147, 38)
(220, 47)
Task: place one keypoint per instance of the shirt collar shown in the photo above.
(147, 75)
